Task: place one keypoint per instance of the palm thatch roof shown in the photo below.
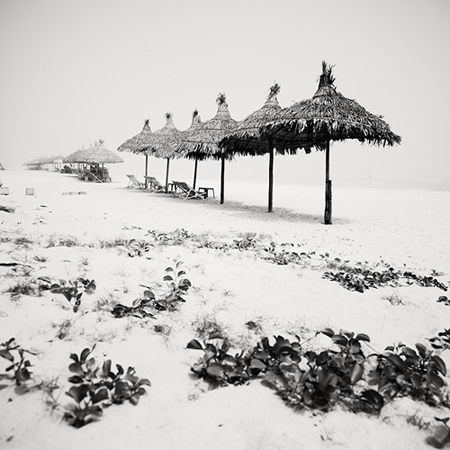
(75, 157)
(247, 138)
(328, 116)
(162, 144)
(202, 141)
(137, 143)
(98, 154)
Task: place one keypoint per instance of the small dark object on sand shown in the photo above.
(8, 209)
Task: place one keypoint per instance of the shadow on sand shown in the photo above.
(255, 212)
(260, 213)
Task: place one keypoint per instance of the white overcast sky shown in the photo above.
(72, 72)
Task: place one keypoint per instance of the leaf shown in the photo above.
(356, 373)
(84, 354)
(422, 349)
(76, 379)
(144, 382)
(215, 370)
(167, 278)
(397, 361)
(374, 398)
(216, 335)
(78, 393)
(149, 294)
(7, 355)
(362, 337)
(134, 399)
(328, 332)
(106, 368)
(257, 364)
(339, 339)
(409, 351)
(100, 395)
(439, 364)
(194, 345)
(76, 368)
(169, 269)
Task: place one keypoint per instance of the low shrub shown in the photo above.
(320, 379)
(72, 290)
(96, 386)
(18, 369)
(148, 305)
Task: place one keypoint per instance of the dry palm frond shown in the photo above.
(221, 99)
(247, 138)
(328, 116)
(201, 141)
(274, 91)
(98, 154)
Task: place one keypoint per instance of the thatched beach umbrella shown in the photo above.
(202, 142)
(196, 121)
(248, 139)
(328, 116)
(75, 157)
(162, 143)
(137, 144)
(98, 154)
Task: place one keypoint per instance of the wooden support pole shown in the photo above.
(222, 181)
(194, 183)
(271, 158)
(146, 171)
(328, 190)
(167, 175)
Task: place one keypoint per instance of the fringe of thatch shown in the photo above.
(137, 143)
(328, 116)
(247, 138)
(201, 142)
(98, 154)
(163, 144)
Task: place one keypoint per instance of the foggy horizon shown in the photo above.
(74, 73)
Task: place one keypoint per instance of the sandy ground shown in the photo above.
(70, 228)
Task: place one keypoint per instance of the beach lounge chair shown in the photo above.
(154, 185)
(134, 183)
(184, 191)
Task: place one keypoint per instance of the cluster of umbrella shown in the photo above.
(314, 123)
(95, 154)
(48, 163)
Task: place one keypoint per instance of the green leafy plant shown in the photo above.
(148, 305)
(217, 366)
(403, 371)
(441, 341)
(138, 247)
(96, 386)
(18, 368)
(176, 237)
(72, 290)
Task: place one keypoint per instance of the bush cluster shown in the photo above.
(149, 305)
(96, 386)
(320, 379)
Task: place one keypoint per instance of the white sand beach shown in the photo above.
(70, 229)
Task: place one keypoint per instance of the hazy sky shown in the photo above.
(72, 72)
